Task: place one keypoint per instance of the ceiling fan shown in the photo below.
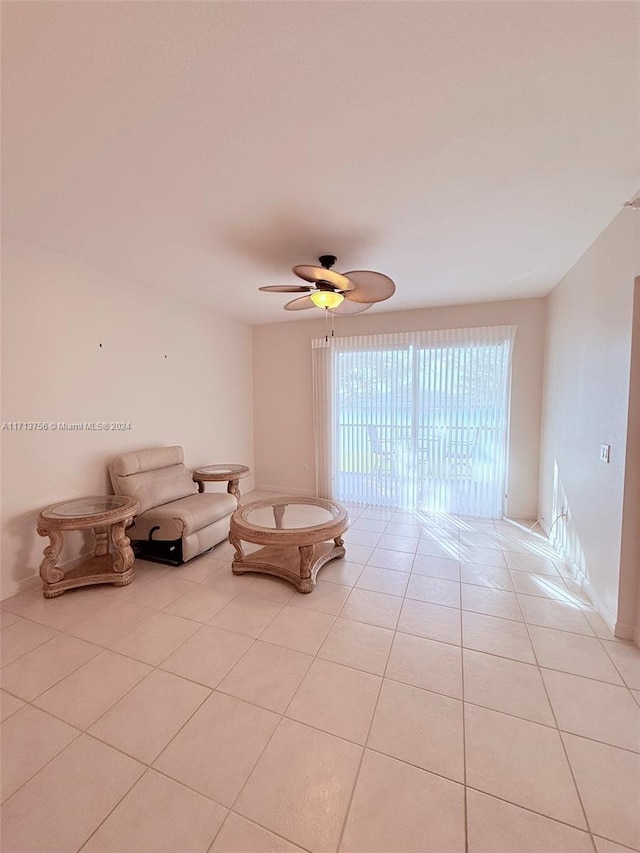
(343, 293)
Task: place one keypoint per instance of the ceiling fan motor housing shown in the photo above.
(327, 261)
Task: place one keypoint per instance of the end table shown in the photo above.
(220, 473)
(107, 516)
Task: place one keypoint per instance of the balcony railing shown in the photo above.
(435, 466)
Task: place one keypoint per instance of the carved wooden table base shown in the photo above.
(108, 517)
(298, 565)
(292, 549)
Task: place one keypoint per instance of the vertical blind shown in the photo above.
(414, 419)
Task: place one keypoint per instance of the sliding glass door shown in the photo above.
(419, 419)
(461, 427)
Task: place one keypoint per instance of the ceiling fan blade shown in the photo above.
(285, 288)
(349, 307)
(315, 274)
(299, 304)
(369, 286)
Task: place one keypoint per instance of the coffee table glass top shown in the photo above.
(231, 470)
(290, 514)
(87, 506)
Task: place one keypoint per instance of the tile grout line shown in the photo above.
(365, 743)
(271, 736)
(105, 743)
(335, 583)
(615, 666)
(33, 775)
(157, 666)
(254, 823)
(564, 749)
(62, 678)
(348, 666)
(464, 732)
(281, 714)
(147, 766)
(111, 811)
(39, 645)
(363, 746)
(555, 726)
(214, 690)
(150, 767)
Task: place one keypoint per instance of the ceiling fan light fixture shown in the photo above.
(326, 298)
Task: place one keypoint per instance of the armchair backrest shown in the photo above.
(153, 477)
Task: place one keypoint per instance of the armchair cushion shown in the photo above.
(139, 461)
(154, 488)
(152, 477)
(184, 517)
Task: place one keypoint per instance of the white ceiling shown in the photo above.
(471, 151)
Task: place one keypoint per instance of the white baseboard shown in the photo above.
(32, 580)
(283, 490)
(19, 586)
(527, 528)
(626, 632)
(597, 602)
(620, 630)
(527, 516)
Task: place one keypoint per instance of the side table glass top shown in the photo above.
(289, 514)
(87, 506)
(222, 470)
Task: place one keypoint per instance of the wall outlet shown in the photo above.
(605, 450)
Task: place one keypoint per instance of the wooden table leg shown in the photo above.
(234, 489)
(124, 556)
(307, 553)
(102, 541)
(237, 544)
(48, 570)
(278, 515)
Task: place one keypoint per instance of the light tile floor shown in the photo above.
(445, 688)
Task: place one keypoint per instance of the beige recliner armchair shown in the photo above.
(175, 522)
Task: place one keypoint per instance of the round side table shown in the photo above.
(107, 516)
(220, 473)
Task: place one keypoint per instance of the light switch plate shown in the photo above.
(605, 450)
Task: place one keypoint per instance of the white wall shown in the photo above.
(283, 443)
(179, 373)
(586, 404)
(629, 587)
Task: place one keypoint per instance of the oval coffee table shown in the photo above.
(294, 533)
(107, 516)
